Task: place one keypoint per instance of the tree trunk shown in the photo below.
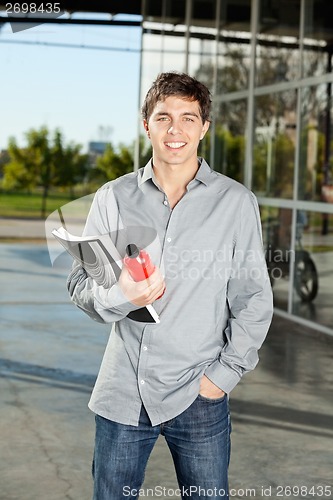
(44, 201)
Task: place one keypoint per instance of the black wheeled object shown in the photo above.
(306, 276)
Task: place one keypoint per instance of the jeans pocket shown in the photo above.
(212, 400)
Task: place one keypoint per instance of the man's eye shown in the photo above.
(187, 119)
(163, 119)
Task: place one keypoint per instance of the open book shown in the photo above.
(102, 262)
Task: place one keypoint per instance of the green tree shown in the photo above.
(229, 153)
(30, 166)
(4, 159)
(117, 161)
(145, 151)
(44, 162)
(70, 165)
(112, 164)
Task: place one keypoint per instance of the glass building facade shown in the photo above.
(268, 64)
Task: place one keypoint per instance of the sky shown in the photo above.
(89, 94)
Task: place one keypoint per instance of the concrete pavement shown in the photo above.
(282, 413)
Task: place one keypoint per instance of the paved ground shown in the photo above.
(50, 352)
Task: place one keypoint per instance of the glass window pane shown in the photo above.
(163, 39)
(276, 224)
(202, 36)
(317, 37)
(234, 47)
(316, 153)
(229, 150)
(204, 13)
(233, 63)
(313, 291)
(274, 144)
(202, 60)
(277, 55)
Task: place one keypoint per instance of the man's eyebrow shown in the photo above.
(186, 113)
(191, 113)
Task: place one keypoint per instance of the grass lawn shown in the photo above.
(29, 205)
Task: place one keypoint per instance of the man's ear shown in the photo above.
(204, 129)
(145, 125)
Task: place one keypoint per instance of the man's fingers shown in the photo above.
(155, 289)
(142, 292)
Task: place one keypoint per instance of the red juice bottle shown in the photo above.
(138, 263)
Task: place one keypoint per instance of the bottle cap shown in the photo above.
(132, 251)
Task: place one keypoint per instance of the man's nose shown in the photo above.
(174, 128)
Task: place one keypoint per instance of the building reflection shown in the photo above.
(269, 70)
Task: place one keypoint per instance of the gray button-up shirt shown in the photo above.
(217, 307)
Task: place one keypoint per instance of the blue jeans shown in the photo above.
(199, 441)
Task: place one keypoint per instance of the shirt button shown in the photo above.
(144, 347)
(142, 382)
(165, 202)
(168, 240)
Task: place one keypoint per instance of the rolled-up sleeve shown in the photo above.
(250, 302)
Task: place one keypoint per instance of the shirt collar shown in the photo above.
(146, 173)
(203, 174)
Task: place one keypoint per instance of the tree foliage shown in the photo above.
(113, 163)
(44, 162)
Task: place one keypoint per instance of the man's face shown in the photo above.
(175, 128)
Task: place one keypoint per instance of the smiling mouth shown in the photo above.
(175, 145)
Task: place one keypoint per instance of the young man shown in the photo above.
(174, 377)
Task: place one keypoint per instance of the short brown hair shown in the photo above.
(181, 85)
